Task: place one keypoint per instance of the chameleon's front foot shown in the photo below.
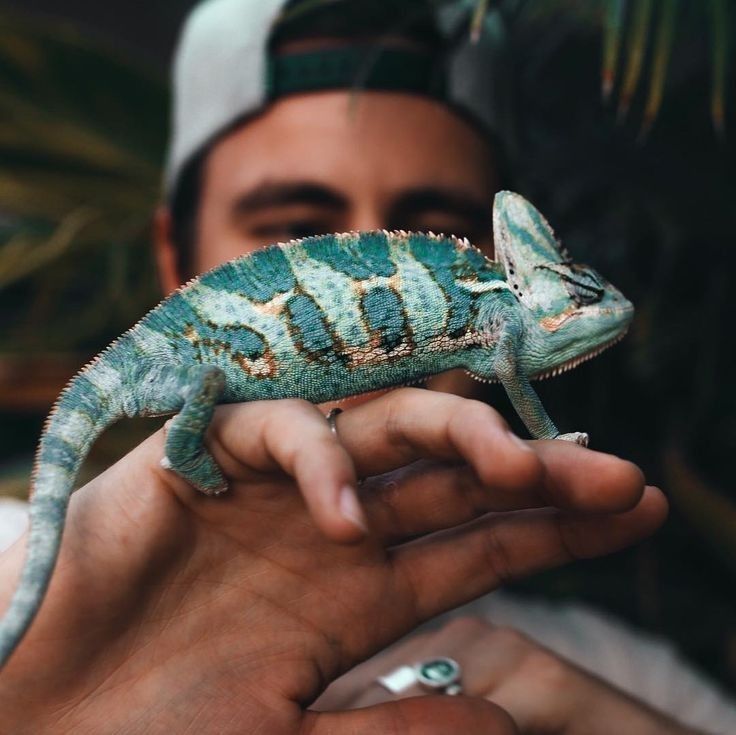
(579, 437)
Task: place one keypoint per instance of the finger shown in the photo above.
(452, 567)
(293, 437)
(538, 688)
(427, 496)
(484, 653)
(358, 688)
(415, 716)
(459, 639)
(409, 424)
(488, 656)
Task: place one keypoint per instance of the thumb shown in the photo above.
(434, 715)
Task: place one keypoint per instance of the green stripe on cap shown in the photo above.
(361, 67)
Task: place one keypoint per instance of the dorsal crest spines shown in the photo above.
(460, 245)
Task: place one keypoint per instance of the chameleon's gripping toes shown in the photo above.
(320, 319)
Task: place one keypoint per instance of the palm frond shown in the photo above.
(23, 253)
(613, 32)
(638, 35)
(662, 53)
(476, 23)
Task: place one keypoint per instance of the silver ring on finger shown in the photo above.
(438, 675)
(331, 419)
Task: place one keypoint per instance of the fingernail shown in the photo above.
(350, 508)
(519, 442)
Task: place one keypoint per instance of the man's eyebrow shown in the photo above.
(274, 194)
(442, 199)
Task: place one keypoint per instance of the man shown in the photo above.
(233, 616)
(249, 166)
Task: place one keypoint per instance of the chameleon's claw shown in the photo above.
(578, 437)
(209, 490)
(212, 492)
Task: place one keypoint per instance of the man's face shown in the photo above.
(335, 162)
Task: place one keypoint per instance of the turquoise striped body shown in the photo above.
(325, 317)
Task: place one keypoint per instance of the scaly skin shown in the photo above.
(321, 319)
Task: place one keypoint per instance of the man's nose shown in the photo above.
(367, 217)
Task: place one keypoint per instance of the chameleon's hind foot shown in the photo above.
(578, 437)
(207, 478)
(185, 453)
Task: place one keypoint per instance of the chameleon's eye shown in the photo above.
(584, 291)
(583, 284)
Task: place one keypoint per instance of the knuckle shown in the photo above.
(534, 660)
(545, 667)
(484, 412)
(526, 471)
(405, 400)
(511, 637)
(497, 556)
(282, 414)
(476, 422)
(322, 452)
(401, 403)
(468, 425)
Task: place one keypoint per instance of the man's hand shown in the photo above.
(173, 612)
(543, 692)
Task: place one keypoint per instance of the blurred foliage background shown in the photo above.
(618, 125)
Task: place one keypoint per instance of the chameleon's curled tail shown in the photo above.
(76, 421)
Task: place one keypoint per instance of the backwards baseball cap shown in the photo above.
(223, 71)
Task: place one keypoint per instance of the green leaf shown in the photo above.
(662, 52)
(476, 23)
(639, 33)
(614, 24)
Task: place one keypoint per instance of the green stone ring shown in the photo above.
(439, 675)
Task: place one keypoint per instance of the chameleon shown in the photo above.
(322, 318)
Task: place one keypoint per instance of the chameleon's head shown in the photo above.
(577, 312)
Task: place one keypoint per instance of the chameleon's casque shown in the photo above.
(321, 319)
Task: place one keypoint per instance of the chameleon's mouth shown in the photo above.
(570, 364)
(562, 368)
